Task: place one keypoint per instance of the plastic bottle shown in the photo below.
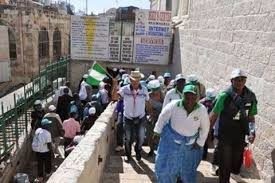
(252, 128)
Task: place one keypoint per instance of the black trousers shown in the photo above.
(67, 142)
(44, 163)
(230, 159)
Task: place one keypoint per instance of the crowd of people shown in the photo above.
(177, 117)
(65, 122)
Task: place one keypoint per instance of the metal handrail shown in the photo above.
(15, 118)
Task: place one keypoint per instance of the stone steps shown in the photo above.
(119, 171)
(127, 178)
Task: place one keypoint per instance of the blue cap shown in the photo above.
(45, 121)
(73, 109)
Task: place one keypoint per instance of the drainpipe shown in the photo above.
(21, 38)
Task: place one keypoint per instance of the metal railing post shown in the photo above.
(46, 82)
(25, 110)
(33, 90)
(16, 119)
(3, 126)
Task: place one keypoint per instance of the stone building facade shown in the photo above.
(37, 37)
(212, 37)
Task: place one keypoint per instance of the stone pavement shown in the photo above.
(118, 171)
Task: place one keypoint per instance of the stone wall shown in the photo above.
(25, 26)
(86, 162)
(220, 35)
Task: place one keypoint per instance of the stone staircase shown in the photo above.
(118, 171)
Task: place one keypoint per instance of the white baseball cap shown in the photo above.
(38, 102)
(192, 77)
(167, 75)
(52, 108)
(237, 73)
(92, 110)
(210, 93)
(179, 76)
(161, 79)
(151, 77)
(154, 84)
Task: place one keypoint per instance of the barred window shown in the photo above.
(12, 45)
(56, 43)
(43, 43)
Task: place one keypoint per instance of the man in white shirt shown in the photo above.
(42, 146)
(56, 129)
(167, 79)
(85, 90)
(175, 93)
(134, 97)
(103, 92)
(183, 126)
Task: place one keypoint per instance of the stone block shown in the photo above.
(268, 167)
(265, 39)
(244, 37)
(255, 7)
(242, 8)
(242, 50)
(225, 47)
(261, 54)
(270, 97)
(256, 69)
(226, 36)
(267, 6)
(269, 73)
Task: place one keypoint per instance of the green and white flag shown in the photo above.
(96, 74)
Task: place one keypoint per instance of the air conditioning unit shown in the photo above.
(5, 71)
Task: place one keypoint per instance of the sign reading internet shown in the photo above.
(153, 35)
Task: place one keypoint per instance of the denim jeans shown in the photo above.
(120, 131)
(134, 131)
(176, 158)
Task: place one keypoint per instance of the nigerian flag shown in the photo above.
(96, 74)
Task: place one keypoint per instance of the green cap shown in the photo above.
(190, 89)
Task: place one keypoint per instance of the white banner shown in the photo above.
(127, 49)
(114, 48)
(153, 35)
(89, 38)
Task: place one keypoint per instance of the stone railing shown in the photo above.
(86, 162)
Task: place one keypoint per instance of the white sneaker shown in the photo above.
(119, 148)
(237, 177)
